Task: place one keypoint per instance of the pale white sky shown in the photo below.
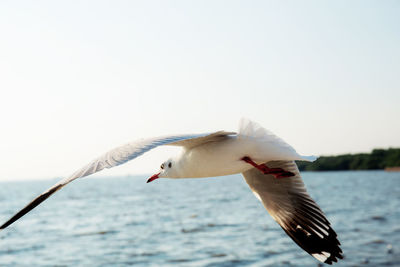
(80, 77)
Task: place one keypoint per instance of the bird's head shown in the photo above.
(167, 170)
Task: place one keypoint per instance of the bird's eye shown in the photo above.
(162, 166)
(169, 165)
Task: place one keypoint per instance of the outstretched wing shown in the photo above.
(288, 202)
(118, 156)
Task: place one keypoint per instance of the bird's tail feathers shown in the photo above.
(309, 158)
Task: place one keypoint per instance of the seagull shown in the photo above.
(266, 162)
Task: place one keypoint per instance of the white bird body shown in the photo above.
(266, 162)
(224, 157)
(212, 159)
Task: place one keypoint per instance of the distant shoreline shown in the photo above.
(392, 169)
(378, 159)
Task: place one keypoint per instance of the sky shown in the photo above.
(78, 78)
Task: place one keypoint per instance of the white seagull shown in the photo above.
(266, 162)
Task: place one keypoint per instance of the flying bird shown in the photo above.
(266, 162)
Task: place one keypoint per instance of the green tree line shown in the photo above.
(377, 159)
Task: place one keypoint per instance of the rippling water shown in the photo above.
(194, 222)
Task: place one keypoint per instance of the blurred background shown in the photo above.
(78, 78)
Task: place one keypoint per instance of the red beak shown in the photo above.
(152, 178)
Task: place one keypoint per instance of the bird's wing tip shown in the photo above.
(39, 199)
(326, 257)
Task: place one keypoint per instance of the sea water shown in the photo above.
(122, 221)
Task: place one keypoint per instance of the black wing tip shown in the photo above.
(31, 205)
(326, 249)
(334, 258)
